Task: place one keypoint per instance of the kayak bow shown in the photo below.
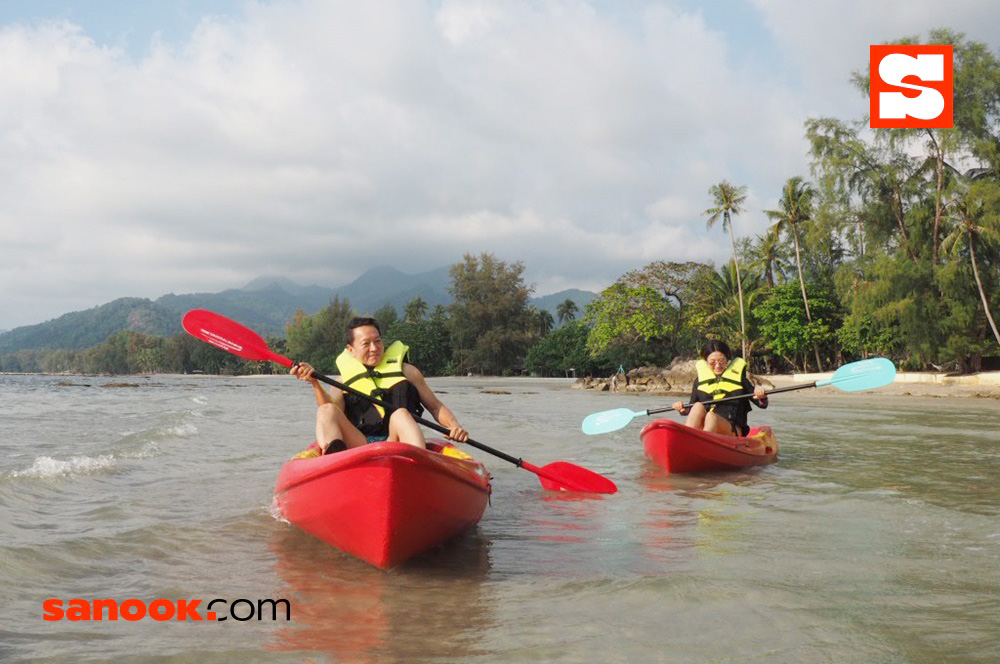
(384, 502)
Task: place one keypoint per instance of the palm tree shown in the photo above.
(770, 258)
(545, 322)
(718, 299)
(796, 209)
(415, 310)
(729, 200)
(566, 311)
(973, 225)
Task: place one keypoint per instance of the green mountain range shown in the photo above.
(265, 305)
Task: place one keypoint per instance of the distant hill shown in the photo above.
(386, 285)
(265, 305)
(83, 329)
(265, 309)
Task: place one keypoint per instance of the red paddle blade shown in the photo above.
(565, 476)
(230, 336)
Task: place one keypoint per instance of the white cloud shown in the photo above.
(826, 41)
(317, 138)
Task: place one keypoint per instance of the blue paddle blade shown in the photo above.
(608, 420)
(863, 375)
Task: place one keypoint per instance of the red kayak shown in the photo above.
(384, 502)
(681, 449)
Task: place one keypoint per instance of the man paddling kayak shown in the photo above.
(720, 376)
(345, 420)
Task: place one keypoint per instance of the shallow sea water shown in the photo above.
(875, 538)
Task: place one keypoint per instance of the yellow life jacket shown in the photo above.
(723, 385)
(378, 380)
(385, 382)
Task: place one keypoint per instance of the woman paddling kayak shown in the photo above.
(720, 375)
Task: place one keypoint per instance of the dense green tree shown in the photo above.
(788, 332)
(564, 353)
(386, 315)
(899, 294)
(491, 324)
(676, 284)
(429, 342)
(111, 356)
(320, 338)
(146, 354)
(631, 323)
(961, 330)
(57, 360)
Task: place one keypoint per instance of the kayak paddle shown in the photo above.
(234, 338)
(853, 377)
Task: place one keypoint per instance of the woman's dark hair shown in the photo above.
(714, 345)
(360, 321)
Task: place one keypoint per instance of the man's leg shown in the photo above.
(332, 424)
(403, 428)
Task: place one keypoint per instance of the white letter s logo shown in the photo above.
(929, 104)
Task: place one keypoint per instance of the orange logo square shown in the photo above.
(912, 85)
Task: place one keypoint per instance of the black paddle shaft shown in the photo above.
(427, 423)
(737, 397)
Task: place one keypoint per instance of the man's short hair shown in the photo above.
(360, 321)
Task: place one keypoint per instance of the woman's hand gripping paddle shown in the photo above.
(854, 377)
(234, 338)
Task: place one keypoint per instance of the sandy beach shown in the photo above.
(985, 385)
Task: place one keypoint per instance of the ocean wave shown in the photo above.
(47, 467)
(150, 436)
(181, 430)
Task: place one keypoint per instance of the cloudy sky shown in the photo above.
(193, 145)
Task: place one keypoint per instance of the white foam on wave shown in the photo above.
(47, 467)
(182, 430)
(150, 449)
(151, 436)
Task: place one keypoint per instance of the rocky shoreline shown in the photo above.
(675, 379)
